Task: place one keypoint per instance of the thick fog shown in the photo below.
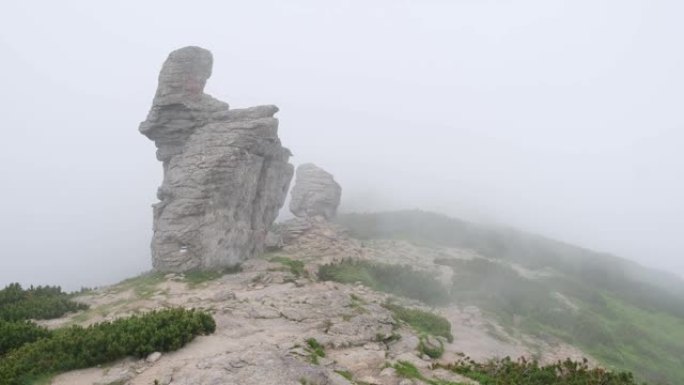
(562, 118)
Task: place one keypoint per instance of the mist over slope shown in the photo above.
(505, 109)
(409, 291)
(625, 315)
(505, 243)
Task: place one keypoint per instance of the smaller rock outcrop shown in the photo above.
(315, 193)
(314, 201)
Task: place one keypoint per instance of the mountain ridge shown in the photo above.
(354, 297)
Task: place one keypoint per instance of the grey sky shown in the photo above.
(558, 117)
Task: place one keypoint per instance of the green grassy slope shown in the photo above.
(627, 316)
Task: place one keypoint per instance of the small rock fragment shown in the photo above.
(153, 357)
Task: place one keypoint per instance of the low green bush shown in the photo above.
(78, 347)
(523, 372)
(41, 302)
(14, 334)
(423, 321)
(429, 350)
(401, 280)
(295, 267)
(406, 369)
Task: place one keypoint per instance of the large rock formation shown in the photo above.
(315, 193)
(226, 174)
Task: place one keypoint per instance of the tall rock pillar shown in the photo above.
(226, 174)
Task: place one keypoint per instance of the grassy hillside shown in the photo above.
(627, 316)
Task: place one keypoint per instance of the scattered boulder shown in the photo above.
(226, 174)
(153, 357)
(315, 193)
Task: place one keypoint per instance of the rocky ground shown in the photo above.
(266, 312)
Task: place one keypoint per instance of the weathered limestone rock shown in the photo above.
(226, 174)
(315, 193)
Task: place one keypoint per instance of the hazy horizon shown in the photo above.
(557, 118)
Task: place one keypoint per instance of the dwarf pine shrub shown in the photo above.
(78, 347)
(41, 302)
(524, 372)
